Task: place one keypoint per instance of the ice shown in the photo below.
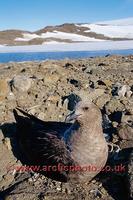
(80, 46)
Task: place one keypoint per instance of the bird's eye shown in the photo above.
(85, 108)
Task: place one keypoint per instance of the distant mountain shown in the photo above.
(69, 33)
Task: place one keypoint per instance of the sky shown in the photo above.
(35, 14)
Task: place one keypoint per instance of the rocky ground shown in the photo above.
(49, 90)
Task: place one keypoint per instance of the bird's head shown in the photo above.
(85, 111)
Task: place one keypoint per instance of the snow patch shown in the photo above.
(59, 35)
(53, 42)
(2, 45)
(27, 37)
(112, 31)
(69, 36)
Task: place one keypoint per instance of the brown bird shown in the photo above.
(73, 151)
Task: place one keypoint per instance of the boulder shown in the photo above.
(121, 90)
(21, 83)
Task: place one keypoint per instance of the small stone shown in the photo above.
(122, 91)
(21, 83)
(60, 116)
(7, 142)
(115, 124)
(11, 96)
(100, 185)
(129, 94)
(100, 82)
(68, 65)
(93, 181)
(58, 189)
(36, 175)
(125, 132)
(30, 180)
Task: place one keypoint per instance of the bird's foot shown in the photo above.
(114, 148)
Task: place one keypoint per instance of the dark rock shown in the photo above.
(73, 99)
(115, 89)
(107, 127)
(92, 84)
(33, 77)
(101, 83)
(74, 82)
(132, 88)
(84, 68)
(23, 70)
(101, 64)
(121, 90)
(107, 55)
(116, 116)
(68, 65)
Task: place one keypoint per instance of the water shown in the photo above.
(39, 56)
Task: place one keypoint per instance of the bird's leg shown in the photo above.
(112, 147)
(115, 149)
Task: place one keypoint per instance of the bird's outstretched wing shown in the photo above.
(28, 120)
(42, 142)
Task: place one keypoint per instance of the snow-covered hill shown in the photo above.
(70, 33)
(113, 29)
(57, 35)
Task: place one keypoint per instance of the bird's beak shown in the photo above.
(72, 116)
